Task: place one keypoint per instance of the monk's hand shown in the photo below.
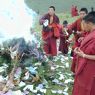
(65, 28)
(76, 50)
(80, 39)
(80, 53)
(78, 32)
(50, 27)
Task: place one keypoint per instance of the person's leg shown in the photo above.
(53, 46)
(46, 47)
(61, 44)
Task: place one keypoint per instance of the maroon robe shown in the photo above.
(76, 26)
(84, 83)
(74, 11)
(63, 46)
(48, 35)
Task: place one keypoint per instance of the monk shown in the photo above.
(63, 46)
(50, 31)
(74, 11)
(76, 29)
(84, 83)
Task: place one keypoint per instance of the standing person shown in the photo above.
(50, 31)
(92, 9)
(74, 11)
(63, 46)
(84, 83)
(76, 29)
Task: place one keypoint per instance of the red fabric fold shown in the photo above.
(85, 71)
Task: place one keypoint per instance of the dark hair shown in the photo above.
(52, 7)
(65, 22)
(90, 17)
(84, 10)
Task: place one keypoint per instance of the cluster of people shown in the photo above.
(83, 50)
(53, 30)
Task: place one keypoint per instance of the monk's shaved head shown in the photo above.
(89, 21)
(90, 17)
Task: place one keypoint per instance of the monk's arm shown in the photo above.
(84, 55)
(42, 19)
(90, 57)
(71, 28)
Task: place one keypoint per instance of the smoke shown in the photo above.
(15, 20)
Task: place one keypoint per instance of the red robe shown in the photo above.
(63, 46)
(50, 36)
(76, 26)
(84, 83)
(74, 11)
